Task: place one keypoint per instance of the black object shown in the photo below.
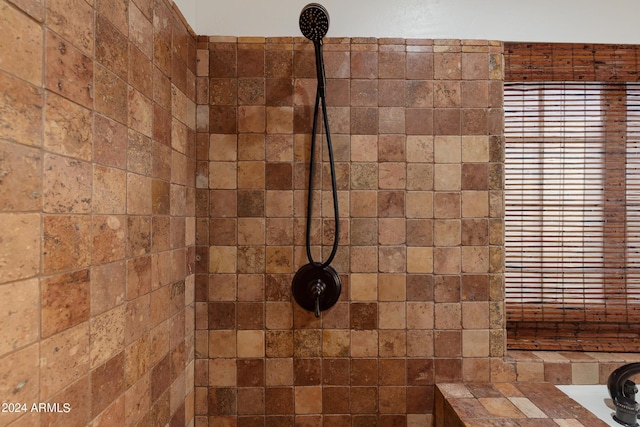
(316, 286)
(623, 393)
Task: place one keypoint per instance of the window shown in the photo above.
(572, 201)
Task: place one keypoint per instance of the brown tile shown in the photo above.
(364, 65)
(65, 301)
(141, 112)
(475, 232)
(419, 121)
(251, 91)
(364, 121)
(250, 372)
(279, 343)
(307, 371)
(108, 239)
(67, 128)
(107, 286)
(392, 93)
(419, 65)
(110, 95)
(250, 315)
(69, 72)
(66, 242)
(419, 287)
(448, 370)
(67, 185)
(336, 371)
(222, 315)
(21, 120)
(111, 47)
(251, 62)
(391, 204)
(335, 400)
(447, 122)
(391, 64)
(419, 93)
(279, 92)
(419, 232)
(20, 190)
(475, 66)
(278, 176)
(447, 66)
(73, 21)
(364, 93)
(251, 118)
(278, 63)
(279, 400)
(364, 400)
(364, 315)
(447, 343)
(364, 372)
(446, 289)
(303, 64)
(107, 383)
(392, 400)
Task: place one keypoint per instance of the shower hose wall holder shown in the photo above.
(316, 286)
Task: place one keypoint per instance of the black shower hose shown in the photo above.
(320, 99)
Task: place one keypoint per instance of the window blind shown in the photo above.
(572, 199)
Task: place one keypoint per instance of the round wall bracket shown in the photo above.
(316, 288)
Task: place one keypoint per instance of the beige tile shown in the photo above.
(106, 335)
(222, 373)
(66, 185)
(21, 379)
(420, 260)
(67, 128)
(64, 357)
(448, 316)
(21, 49)
(19, 308)
(109, 190)
(447, 149)
(420, 315)
(419, 204)
(391, 287)
(475, 343)
(391, 315)
(420, 149)
(364, 343)
(73, 19)
(250, 343)
(363, 286)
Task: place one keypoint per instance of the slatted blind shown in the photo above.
(572, 198)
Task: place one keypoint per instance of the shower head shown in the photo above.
(314, 22)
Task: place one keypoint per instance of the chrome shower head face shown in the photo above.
(314, 22)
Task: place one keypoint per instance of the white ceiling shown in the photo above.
(588, 21)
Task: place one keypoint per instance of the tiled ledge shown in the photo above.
(508, 404)
(566, 367)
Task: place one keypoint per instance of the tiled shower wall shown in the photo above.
(417, 133)
(97, 212)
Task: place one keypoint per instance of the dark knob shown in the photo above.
(316, 288)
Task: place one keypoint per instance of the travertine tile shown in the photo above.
(21, 49)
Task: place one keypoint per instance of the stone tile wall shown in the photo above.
(97, 207)
(417, 133)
